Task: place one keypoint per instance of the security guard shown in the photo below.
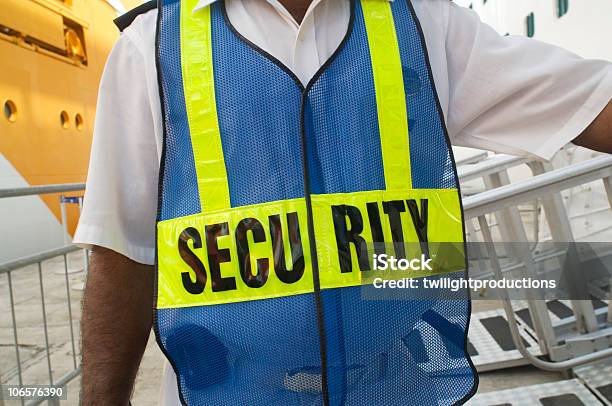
(279, 177)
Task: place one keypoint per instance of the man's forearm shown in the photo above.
(116, 323)
(598, 135)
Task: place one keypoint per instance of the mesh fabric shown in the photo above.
(258, 108)
(259, 352)
(432, 166)
(371, 356)
(267, 352)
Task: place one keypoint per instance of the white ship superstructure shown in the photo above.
(582, 26)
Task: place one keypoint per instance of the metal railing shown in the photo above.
(547, 187)
(538, 186)
(41, 190)
(495, 164)
(472, 159)
(14, 267)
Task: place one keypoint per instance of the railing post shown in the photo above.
(64, 218)
(44, 316)
(513, 232)
(85, 251)
(505, 218)
(607, 181)
(70, 311)
(561, 233)
(1, 395)
(608, 186)
(14, 321)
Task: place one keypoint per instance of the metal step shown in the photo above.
(563, 393)
(598, 378)
(490, 343)
(560, 312)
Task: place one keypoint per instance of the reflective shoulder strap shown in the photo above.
(390, 93)
(199, 87)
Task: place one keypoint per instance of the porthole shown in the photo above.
(64, 119)
(10, 111)
(78, 122)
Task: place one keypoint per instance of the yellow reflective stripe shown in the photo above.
(171, 292)
(390, 93)
(199, 88)
(444, 226)
(443, 218)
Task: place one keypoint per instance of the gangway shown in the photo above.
(553, 335)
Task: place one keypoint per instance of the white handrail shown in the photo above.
(538, 186)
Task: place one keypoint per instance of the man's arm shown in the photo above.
(116, 322)
(598, 135)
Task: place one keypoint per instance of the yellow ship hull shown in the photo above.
(52, 53)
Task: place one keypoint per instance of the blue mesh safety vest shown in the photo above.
(274, 198)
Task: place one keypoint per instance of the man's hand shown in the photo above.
(116, 322)
(598, 135)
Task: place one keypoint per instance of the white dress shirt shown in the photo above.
(507, 94)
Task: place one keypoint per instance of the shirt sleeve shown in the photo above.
(120, 202)
(516, 95)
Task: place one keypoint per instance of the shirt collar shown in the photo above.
(204, 3)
